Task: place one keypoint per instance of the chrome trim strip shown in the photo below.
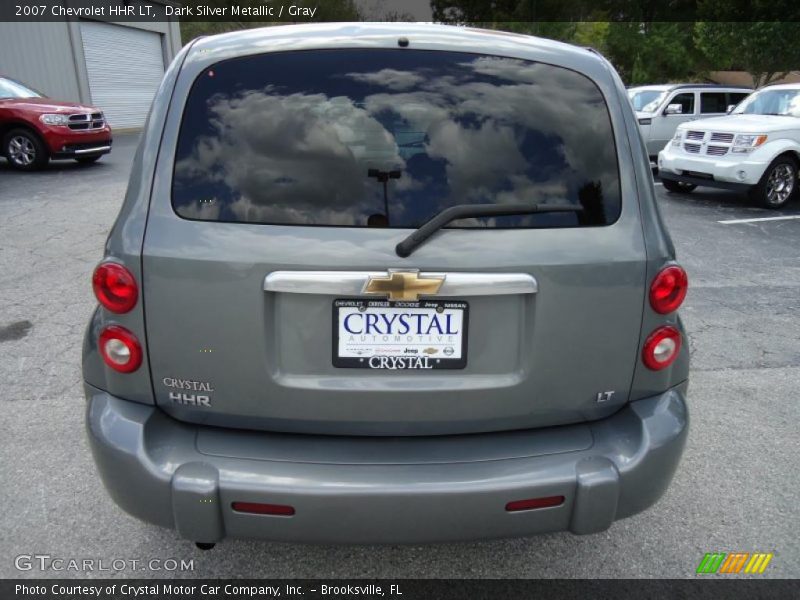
(351, 283)
(92, 150)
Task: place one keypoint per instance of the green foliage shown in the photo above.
(653, 52)
(766, 50)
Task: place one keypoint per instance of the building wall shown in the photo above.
(49, 55)
(40, 54)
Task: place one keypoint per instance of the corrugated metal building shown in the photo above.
(115, 66)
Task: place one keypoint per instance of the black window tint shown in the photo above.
(392, 137)
(713, 102)
(686, 101)
(735, 98)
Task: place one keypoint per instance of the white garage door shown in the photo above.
(125, 66)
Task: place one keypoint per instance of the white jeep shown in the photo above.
(755, 149)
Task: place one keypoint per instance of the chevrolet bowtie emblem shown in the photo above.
(404, 285)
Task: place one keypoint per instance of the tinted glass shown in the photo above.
(390, 138)
(735, 98)
(686, 101)
(713, 102)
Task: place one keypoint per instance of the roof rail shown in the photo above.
(680, 86)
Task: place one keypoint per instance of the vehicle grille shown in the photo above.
(693, 148)
(695, 135)
(717, 150)
(86, 122)
(725, 138)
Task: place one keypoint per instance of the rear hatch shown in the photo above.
(275, 298)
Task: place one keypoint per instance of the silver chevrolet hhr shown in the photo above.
(387, 283)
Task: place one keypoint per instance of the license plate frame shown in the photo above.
(424, 359)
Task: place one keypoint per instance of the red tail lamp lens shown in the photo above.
(661, 348)
(120, 349)
(259, 508)
(115, 287)
(668, 289)
(533, 503)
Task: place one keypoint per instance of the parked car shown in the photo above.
(756, 149)
(661, 108)
(35, 129)
(387, 283)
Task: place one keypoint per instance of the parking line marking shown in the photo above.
(737, 221)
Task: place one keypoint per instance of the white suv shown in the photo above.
(661, 108)
(754, 149)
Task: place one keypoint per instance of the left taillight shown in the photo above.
(115, 287)
(668, 289)
(661, 348)
(120, 349)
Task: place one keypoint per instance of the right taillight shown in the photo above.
(661, 348)
(668, 289)
(115, 287)
(120, 349)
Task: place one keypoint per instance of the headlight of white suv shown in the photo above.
(676, 140)
(744, 143)
(54, 119)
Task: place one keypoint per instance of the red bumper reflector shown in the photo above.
(534, 503)
(258, 508)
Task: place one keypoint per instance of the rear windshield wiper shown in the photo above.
(460, 211)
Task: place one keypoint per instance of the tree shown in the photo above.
(766, 50)
(653, 52)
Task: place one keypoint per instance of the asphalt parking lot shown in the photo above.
(737, 488)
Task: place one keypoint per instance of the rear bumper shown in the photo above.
(391, 490)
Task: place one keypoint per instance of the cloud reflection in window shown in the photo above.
(276, 146)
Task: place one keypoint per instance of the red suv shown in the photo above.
(34, 129)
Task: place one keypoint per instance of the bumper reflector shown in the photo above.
(259, 508)
(533, 503)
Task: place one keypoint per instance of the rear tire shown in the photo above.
(24, 150)
(87, 160)
(678, 187)
(778, 184)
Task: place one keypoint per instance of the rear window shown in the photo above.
(389, 138)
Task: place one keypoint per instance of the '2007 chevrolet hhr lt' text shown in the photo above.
(387, 283)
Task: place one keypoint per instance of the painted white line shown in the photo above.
(737, 221)
(658, 183)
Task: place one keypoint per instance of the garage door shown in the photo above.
(125, 66)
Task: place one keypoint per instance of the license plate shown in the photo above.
(379, 334)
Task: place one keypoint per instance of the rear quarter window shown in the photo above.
(389, 138)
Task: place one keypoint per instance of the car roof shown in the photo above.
(650, 88)
(427, 36)
(781, 86)
(702, 86)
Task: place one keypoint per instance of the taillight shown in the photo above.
(120, 349)
(668, 289)
(115, 287)
(661, 348)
